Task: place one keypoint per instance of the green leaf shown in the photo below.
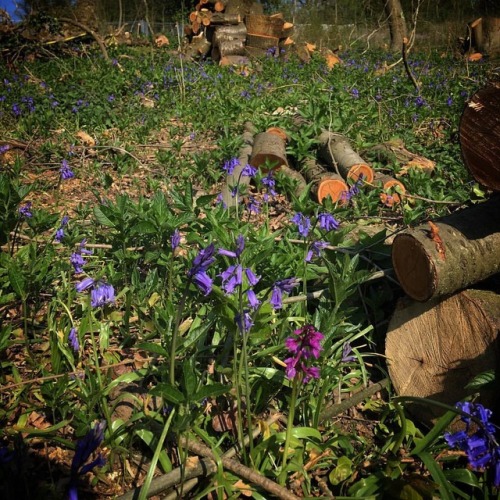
(144, 227)
(437, 475)
(152, 440)
(102, 218)
(306, 432)
(211, 391)
(17, 280)
(464, 476)
(342, 471)
(153, 348)
(189, 379)
(169, 393)
(481, 379)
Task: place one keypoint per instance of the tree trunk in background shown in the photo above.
(397, 23)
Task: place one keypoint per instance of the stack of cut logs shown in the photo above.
(446, 333)
(229, 30)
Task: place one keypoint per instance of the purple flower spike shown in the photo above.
(203, 260)
(249, 171)
(65, 171)
(25, 210)
(303, 224)
(230, 165)
(327, 222)
(73, 340)
(102, 294)
(304, 345)
(175, 239)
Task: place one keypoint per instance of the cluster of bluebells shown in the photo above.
(247, 171)
(279, 288)
(73, 340)
(85, 447)
(65, 171)
(25, 210)
(352, 191)
(481, 447)
(304, 345)
(198, 272)
(325, 221)
(101, 293)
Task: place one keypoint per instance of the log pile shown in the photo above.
(447, 333)
(229, 30)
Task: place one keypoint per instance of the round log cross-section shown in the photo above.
(435, 349)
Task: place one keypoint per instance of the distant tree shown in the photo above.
(397, 23)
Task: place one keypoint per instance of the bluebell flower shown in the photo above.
(253, 205)
(203, 281)
(303, 224)
(478, 441)
(175, 239)
(419, 101)
(280, 287)
(449, 101)
(249, 171)
(85, 284)
(231, 278)
(240, 246)
(203, 260)
(355, 93)
(347, 357)
(244, 321)
(73, 340)
(251, 277)
(65, 171)
(60, 231)
(315, 250)
(101, 294)
(25, 210)
(230, 165)
(77, 261)
(85, 447)
(327, 222)
(253, 301)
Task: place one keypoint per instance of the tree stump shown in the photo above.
(434, 349)
(449, 254)
(480, 136)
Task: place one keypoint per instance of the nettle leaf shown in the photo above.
(144, 227)
(17, 280)
(102, 218)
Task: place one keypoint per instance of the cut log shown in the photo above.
(230, 32)
(279, 132)
(300, 182)
(450, 254)
(325, 183)
(287, 29)
(391, 189)
(199, 47)
(485, 35)
(234, 60)
(265, 25)
(480, 136)
(336, 151)
(255, 51)
(434, 349)
(243, 158)
(262, 41)
(269, 151)
(232, 48)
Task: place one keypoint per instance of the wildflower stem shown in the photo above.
(104, 404)
(289, 428)
(175, 334)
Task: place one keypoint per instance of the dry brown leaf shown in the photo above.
(161, 40)
(245, 489)
(477, 56)
(85, 138)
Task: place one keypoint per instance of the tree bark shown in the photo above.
(434, 349)
(339, 156)
(269, 151)
(439, 258)
(397, 23)
(480, 136)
